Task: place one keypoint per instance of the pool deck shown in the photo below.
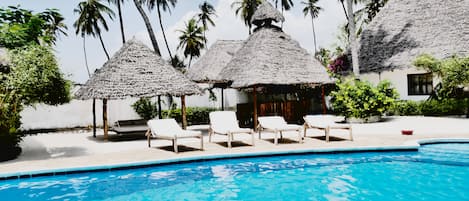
(78, 149)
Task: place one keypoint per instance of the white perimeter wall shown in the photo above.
(78, 113)
(398, 79)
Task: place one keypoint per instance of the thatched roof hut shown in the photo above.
(404, 29)
(136, 71)
(266, 12)
(271, 57)
(209, 66)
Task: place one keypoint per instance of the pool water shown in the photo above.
(435, 172)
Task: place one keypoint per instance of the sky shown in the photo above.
(228, 26)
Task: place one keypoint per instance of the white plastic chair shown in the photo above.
(326, 123)
(169, 129)
(226, 123)
(278, 125)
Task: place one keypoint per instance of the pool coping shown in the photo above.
(406, 146)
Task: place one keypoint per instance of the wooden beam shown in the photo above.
(105, 120)
(183, 111)
(323, 97)
(160, 116)
(254, 98)
(222, 100)
(94, 117)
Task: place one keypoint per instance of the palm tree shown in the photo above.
(206, 11)
(246, 9)
(146, 20)
(91, 18)
(353, 38)
(313, 10)
(191, 40)
(165, 6)
(88, 23)
(284, 4)
(119, 12)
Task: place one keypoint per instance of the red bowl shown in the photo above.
(407, 132)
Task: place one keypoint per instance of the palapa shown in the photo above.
(404, 29)
(136, 71)
(271, 57)
(207, 69)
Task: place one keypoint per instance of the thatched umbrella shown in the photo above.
(136, 71)
(272, 58)
(207, 69)
(404, 29)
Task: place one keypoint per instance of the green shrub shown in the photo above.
(194, 115)
(442, 107)
(359, 99)
(407, 108)
(145, 108)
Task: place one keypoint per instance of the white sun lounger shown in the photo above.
(225, 123)
(326, 123)
(278, 125)
(169, 129)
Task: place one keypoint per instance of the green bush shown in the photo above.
(359, 99)
(442, 107)
(194, 115)
(145, 108)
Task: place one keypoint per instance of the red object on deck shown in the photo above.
(407, 132)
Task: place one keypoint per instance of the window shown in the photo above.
(420, 84)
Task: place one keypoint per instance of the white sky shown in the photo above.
(69, 49)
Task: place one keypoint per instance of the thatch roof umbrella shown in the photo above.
(136, 71)
(272, 58)
(207, 69)
(404, 29)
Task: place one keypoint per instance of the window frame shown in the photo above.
(422, 82)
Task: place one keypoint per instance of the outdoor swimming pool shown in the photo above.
(435, 172)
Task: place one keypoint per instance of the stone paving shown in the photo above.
(79, 149)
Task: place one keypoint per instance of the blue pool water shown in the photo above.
(435, 172)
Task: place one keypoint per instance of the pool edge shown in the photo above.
(406, 146)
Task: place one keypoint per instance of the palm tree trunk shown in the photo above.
(93, 108)
(102, 44)
(314, 36)
(149, 27)
(120, 20)
(353, 39)
(190, 61)
(345, 10)
(164, 35)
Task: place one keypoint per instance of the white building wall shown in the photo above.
(398, 79)
(78, 113)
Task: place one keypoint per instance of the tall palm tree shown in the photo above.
(206, 11)
(284, 4)
(88, 23)
(246, 9)
(313, 10)
(91, 18)
(164, 5)
(191, 40)
(146, 20)
(353, 38)
(118, 3)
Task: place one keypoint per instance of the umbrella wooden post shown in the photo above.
(222, 100)
(105, 119)
(94, 117)
(254, 98)
(183, 111)
(159, 108)
(323, 97)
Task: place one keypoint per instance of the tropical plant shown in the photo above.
(204, 17)
(245, 9)
(313, 10)
(145, 108)
(118, 3)
(33, 77)
(191, 40)
(91, 17)
(360, 99)
(19, 27)
(146, 20)
(164, 5)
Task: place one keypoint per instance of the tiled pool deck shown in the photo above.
(79, 150)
